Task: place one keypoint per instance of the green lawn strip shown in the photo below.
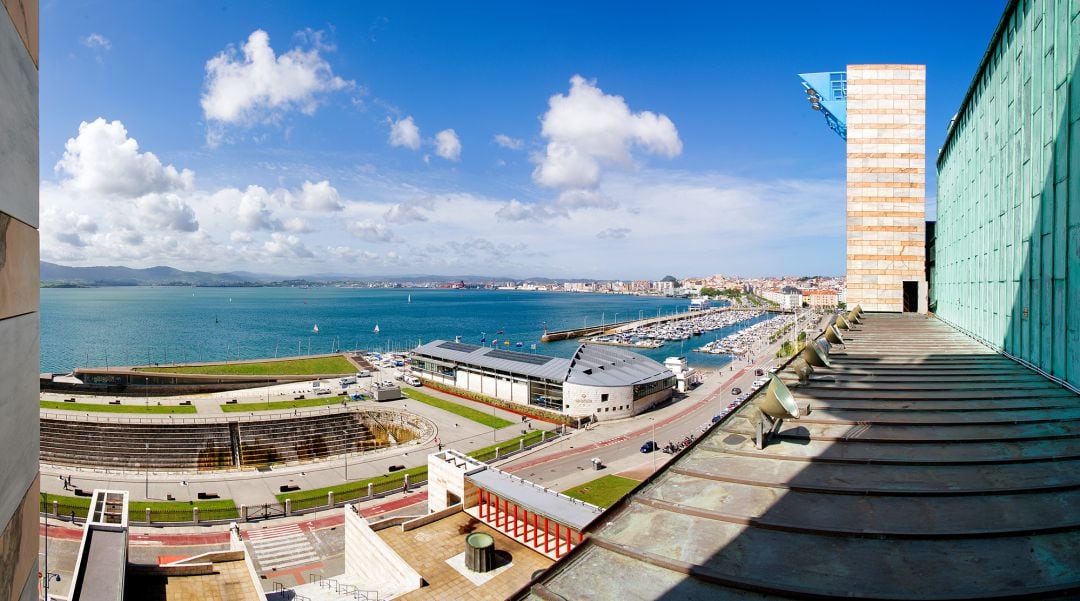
(469, 413)
(602, 492)
(180, 511)
(306, 499)
(316, 402)
(107, 408)
(285, 367)
(160, 511)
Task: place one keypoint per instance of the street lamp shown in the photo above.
(345, 433)
(147, 459)
(652, 420)
(48, 575)
(146, 390)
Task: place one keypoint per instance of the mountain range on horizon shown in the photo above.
(55, 275)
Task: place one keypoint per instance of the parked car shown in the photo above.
(649, 446)
(412, 380)
(759, 372)
(717, 418)
(736, 391)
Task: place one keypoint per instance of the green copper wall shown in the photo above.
(1006, 263)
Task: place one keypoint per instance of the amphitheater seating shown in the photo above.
(207, 446)
(135, 446)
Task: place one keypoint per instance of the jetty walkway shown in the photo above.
(621, 326)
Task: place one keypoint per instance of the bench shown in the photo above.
(395, 468)
(298, 397)
(208, 495)
(288, 487)
(187, 402)
(232, 402)
(114, 402)
(69, 400)
(82, 493)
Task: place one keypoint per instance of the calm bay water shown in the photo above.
(139, 325)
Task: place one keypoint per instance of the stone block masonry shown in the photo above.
(886, 185)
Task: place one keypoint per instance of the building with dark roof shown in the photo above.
(601, 381)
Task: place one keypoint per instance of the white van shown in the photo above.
(412, 380)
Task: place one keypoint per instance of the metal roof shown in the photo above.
(599, 365)
(507, 361)
(537, 499)
(929, 467)
(592, 365)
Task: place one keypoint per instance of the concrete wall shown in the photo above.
(18, 300)
(447, 477)
(583, 401)
(1006, 263)
(886, 184)
(370, 563)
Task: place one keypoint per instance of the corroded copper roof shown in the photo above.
(929, 467)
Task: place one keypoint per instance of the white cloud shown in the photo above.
(613, 232)
(241, 237)
(96, 41)
(319, 196)
(507, 142)
(297, 225)
(369, 231)
(286, 246)
(404, 132)
(447, 145)
(410, 211)
(255, 85)
(166, 211)
(587, 130)
(102, 159)
(252, 209)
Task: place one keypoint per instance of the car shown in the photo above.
(736, 391)
(717, 418)
(412, 380)
(759, 372)
(649, 446)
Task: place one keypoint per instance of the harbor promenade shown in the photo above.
(615, 327)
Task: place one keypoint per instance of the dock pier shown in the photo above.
(615, 327)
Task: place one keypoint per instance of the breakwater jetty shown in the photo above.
(621, 326)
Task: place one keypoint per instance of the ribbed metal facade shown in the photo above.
(1006, 264)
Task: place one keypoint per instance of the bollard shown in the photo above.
(56, 508)
(406, 487)
(521, 444)
(330, 499)
(543, 435)
(496, 454)
(288, 506)
(370, 490)
(243, 513)
(147, 515)
(195, 514)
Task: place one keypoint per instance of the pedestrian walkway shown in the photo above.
(279, 547)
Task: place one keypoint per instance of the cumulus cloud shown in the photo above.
(96, 41)
(286, 246)
(68, 227)
(253, 210)
(410, 211)
(447, 145)
(587, 130)
(516, 210)
(166, 211)
(297, 225)
(613, 232)
(369, 231)
(102, 159)
(319, 196)
(404, 132)
(507, 142)
(254, 85)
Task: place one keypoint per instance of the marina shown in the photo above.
(741, 343)
(654, 333)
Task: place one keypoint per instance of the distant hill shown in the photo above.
(61, 275)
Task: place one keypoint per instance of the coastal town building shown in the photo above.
(603, 382)
(820, 299)
(20, 573)
(787, 298)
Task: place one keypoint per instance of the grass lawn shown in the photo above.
(284, 367)
(160, 511)
(602, 492)
(323, 401)
(469, 413)
(106, 408)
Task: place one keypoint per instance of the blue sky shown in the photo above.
(604, 140)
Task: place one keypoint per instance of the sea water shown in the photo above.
(145, 325)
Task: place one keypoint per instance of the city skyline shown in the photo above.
(381, 140)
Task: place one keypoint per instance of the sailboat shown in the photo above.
(376, 328)
(410, 299)
(315, 330)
